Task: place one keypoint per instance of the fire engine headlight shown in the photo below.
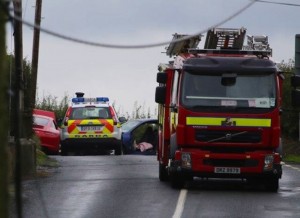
(269, 159)
(186, 160)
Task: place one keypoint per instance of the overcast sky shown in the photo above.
(127, 76)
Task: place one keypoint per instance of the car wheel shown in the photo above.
(125, 150)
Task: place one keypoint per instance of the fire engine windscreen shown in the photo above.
(229, 90)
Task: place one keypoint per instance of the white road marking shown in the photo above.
(180, 204)
(292, 167)
(183, 193)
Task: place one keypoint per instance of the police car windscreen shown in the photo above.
(90, 113)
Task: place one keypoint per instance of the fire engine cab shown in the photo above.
(90, 123)
(219, 109)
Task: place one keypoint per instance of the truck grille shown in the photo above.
(228, 136)
(230, 163)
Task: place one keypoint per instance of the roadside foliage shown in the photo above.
(290, 115)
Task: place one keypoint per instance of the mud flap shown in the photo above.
(163, 173)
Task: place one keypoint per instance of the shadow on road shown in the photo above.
(223, 185)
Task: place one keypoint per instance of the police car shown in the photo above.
(90, 123)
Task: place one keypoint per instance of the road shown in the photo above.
(128, 186)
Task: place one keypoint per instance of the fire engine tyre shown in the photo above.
(269, 184)
(272, 185)
(177, 181)
(163, 173)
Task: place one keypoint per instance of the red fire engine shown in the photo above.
(219, 110)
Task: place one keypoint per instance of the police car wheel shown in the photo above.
(119, 150)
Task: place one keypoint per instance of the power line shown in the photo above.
(119, 46)
(25, 8)
(279, 3)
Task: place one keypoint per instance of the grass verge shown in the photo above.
(42, 160)
(44, 164)
(291, 150)
(292, 158)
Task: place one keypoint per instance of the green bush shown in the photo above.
(50, 103)
(290, 115)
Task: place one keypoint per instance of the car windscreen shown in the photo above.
(229, 90)
(129, 125)
(82, 113)
(40, 121)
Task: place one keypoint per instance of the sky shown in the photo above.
(128, 76)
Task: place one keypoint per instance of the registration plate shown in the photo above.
(228, 170)
(91, 128)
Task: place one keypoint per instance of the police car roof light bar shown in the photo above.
(102, 99)
(79, 100)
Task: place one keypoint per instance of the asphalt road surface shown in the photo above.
(128, 186)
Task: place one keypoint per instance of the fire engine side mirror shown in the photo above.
(161, 77)
(160, 95)
(295, 82)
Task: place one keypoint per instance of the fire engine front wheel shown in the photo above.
(269, 184)
(177, 180)
(272, 185)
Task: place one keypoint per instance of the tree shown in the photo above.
(27, 87)
(290, 116)
(50, 103)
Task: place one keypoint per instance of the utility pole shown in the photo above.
(297, 66)
(4, 111)
(35, 50)
(30, 79)
(18, 101)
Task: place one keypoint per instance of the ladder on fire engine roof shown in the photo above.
(225, 38)
(178, 47)
(258, 43)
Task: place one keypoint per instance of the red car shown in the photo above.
(45, 127)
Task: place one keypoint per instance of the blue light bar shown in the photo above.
(85, 100)
(78, 100)
(102, 99)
